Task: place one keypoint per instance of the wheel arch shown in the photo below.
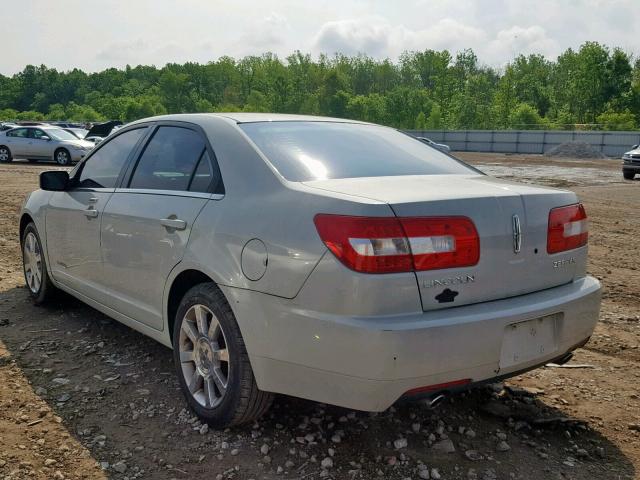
(25, 219)
(180, 285)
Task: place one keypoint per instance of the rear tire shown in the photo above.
(212, 362)
(628, 175)
(36, 273)
(5, 154)
(62, 157)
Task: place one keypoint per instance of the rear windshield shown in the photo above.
(303, 151)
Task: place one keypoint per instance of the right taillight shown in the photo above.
(567, 228)
(391, 244)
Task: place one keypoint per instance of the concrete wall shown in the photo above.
(612, 144)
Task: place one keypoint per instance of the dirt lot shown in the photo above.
(82, 396)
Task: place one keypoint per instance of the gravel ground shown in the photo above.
(82, 396)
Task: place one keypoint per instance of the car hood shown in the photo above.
(633, 152)
(78, 143)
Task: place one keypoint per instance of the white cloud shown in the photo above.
(161, 31)
(511, 42)
(378, 38)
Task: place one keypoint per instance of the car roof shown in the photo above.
(246, 117)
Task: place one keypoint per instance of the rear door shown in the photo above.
(73, 217)
(18, 142)
(147, 223)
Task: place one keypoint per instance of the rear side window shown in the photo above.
(303, 151)
(169, 160)
(102, 169)
(203, 176)
(18, 132)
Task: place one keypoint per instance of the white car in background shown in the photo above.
(440, 146)
(42, 142)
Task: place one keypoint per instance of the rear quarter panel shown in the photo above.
(258, 204)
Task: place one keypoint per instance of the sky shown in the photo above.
(94, 35)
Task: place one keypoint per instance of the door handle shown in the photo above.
(174, 223)
(91, 213)
(93, 199)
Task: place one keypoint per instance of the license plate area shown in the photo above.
(526, 341)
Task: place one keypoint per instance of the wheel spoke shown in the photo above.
(209, 391)
(201, 319)
(190, 330)
(223, 354)
(186, 356)
(214, 328)
(220, 380)
(195, 382)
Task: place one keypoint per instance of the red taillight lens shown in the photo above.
(568, 228)
(442, 242)
(390, 244)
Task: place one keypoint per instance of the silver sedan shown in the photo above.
(43, 142)
(327, 259)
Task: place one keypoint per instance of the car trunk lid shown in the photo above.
(495, 206)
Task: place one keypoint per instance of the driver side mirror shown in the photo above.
(54, 181)
(45, 137)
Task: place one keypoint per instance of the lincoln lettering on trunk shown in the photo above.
(443, 282)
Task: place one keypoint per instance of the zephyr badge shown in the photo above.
(517, 234)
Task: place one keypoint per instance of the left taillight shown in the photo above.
(568, 228)
(391, 244)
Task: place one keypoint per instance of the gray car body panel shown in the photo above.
(312, 327)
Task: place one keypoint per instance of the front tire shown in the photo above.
(628, 175)
(36, 273)
(62, 157)
(5, 154)
(212, 361)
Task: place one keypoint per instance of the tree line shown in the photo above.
(594, 87)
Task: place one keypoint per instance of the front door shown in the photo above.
(41, 144)
(73, 217)
(146, 226)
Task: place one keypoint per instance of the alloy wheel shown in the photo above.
(32, 258)
(62, 157)
(4, 155)
(204, 357)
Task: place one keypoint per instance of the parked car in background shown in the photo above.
(4, 126)
(332, 260)
(100, 131)
(431, 143)
(66, 124)
(42, 143)
(631, 163)
(80, 133)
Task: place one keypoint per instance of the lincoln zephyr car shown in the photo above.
(327, 259)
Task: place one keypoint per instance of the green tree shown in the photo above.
(617, 120)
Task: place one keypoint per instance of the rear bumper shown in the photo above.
(367, 363)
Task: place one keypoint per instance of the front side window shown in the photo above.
(37, 133)
(169, 160)
(102, 169)
(304, 151)
(18, 132)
